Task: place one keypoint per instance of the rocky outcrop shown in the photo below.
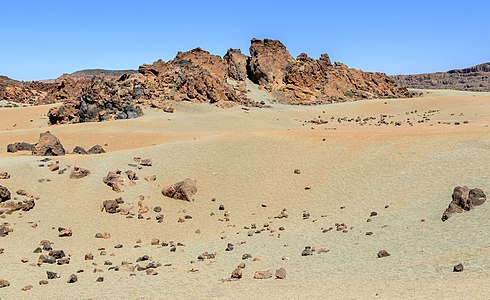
(236, 64)
(100, 100)
(199, 76)
(476, 78)
(464, 199)
(307, 81)
(183, 190)
(48, 145)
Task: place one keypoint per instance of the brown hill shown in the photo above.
(476, 78)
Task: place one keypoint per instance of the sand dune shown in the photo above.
(245, 160)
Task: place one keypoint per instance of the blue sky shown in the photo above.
(44, 39)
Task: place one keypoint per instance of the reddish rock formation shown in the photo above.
(199, 76)
(464, 199)
(183, 190)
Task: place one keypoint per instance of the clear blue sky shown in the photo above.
(44, 39)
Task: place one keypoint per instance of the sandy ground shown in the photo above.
(245, 160)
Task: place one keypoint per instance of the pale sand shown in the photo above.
(246, 159)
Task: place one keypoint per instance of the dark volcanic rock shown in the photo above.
(183, 190)
(79, 150)
(78, 173)
(48, 145)
(464, 199)
(458, 268)
(20, 146)
(97, 149)
(111, 206)
(4, 194)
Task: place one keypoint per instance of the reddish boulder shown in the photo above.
(263, 274)
(464, 199)
(110, 206)
(183, 190)
(48, 145)
(78, 173)
(115, 180)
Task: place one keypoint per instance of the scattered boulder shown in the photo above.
(4, 194)
(383, 253)
(131, 175)
(78, 173)
(64, 232)
(237, 273)
(183, 190)
(97, 149)
(263, 274)
(114, 180)
(151, 178)
(4, 283)
(458, 268)
(111, 206)
(280, 273)
(4, 230)
(19, 146)
(79, 150)
(464, 199)
(4, 175)
(48, 145)
(72, 279)
(307, 251)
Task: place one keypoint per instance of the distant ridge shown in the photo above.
(476, 79)
(103, 72)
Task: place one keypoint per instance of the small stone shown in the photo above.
(263, 274)
(63, 261)
(27, 288)
(64, 232)
(229, 247)
(297, 171)
(157, 209)
(280, 273)
(458, 268)
(237, 273)
(4, 283)
(221, 207)
(118, 246)
(307, 251)
(72, 279)
(37, 250)
(89, 256)
(43, 282)
(246, 256)
(57, 253)
(383, 253)
(151, 178)
(241, 266)
(369, 233)
(46, 245)
(52, 275)
(373, 214)
(155, 241)
(151, 272)
(99, 279)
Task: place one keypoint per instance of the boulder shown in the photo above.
(263, 274)
(111, 206)
(97, 149)
(48, 145)
(19, 146)
(4, 175)
(4, 194)
(4, 230)
(79, 150)
(464, 199)
(115, 180)
(280, 273)
(78, 173)
(4, 283)
(183, 190)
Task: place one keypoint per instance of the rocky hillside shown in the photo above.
(199, 76)
(103, 72)
(475, 79)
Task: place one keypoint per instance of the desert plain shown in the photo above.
(355, 178)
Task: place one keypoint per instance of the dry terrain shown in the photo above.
(372, 175)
